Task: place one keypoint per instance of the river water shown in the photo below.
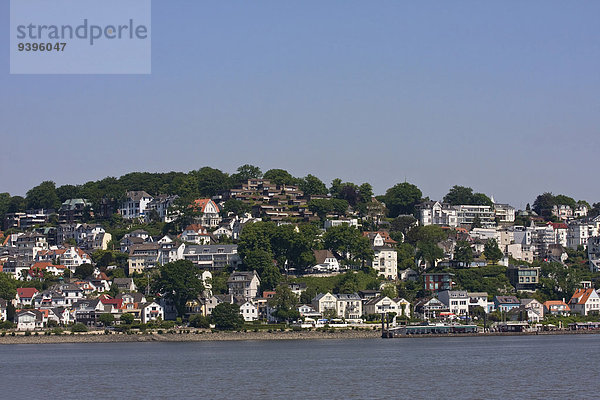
(511, 367)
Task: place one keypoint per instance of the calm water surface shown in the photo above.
(534, 367)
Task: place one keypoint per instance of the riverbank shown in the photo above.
(202, 336)
(198, 336)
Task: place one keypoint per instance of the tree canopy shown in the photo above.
(227, 317)
(402, 199)
(179, 281)
(462, 195)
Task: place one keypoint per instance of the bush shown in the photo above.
(167, 324)
(199, 321)
(7, 325)
(79, 327)
(127, 318)
(27, 333)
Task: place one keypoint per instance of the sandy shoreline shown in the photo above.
(239, 336)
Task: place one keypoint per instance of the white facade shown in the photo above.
(579, 233)
(457, 301)
(504, 212)
(135, 205)
(436, 213)
(249, 311)
(466, 214)
(151, 312)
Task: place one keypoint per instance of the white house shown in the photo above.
(209, 212)
(326, 261)
(378, 305)
(579, 232)
(29, 320)
(151, 312)
(385, 259)
(195, 233)
(249, 311)
(457, 301)
(479, 299)
(323, 302)
(436, 213)
(585, 301)
(135, 204)
(349, 306)
(244, 284)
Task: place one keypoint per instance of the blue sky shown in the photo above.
(500, 96)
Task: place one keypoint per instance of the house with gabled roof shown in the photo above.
(135, 204)
(49, 299)
(430, 308)
(42, 269)
(196, 233)
(585, 301)
(25, 296)
(557, 307)
(209, 212)
(506, 303)
(151, 311)
(29, 320)
(326, 261)
(125, 284)
(381, 304)
(249, 311)
(244, 284)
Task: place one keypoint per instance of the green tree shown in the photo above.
(79, 327)
(279, 177)
(43, 196)
(227, 317)
(17, 204)
(261, 261)
(429, 251)
(405, 256)
(107, 319)
(321, 207)
(199, 321)
(66, 192)
(476, 222)
(429, 233)
(127, 318)
(4, 204)
(8, 287)
(463, 253)
(402, 223)
(543, 204)
(348, 243)
(402, 199)
(235, 206)
(284, 302)
(179, 282)
(462, 195)
(492, 252)
(83, 271)
(311, 185)
(459, 195)
(246, 172)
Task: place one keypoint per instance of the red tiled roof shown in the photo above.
(196, 228)
(558, 225)
(581, 296)
(26, 292)
(200, 204)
